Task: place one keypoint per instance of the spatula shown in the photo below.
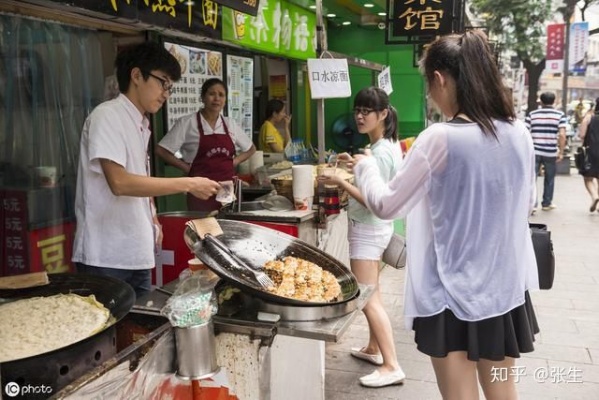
(24, 280)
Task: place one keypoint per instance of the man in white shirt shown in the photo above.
(117, 227)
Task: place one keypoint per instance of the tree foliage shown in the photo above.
(520, 25)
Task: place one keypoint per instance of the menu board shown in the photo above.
(197, 65)
(240, 83)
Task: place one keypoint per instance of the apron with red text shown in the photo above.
(214, 160)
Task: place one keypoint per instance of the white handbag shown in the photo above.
(395, 253)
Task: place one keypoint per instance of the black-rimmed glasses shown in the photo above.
(363, 111)
(166, 85)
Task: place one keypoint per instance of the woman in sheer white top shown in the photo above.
(467, 188)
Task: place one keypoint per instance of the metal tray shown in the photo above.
(256, 245)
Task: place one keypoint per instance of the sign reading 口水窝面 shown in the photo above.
(279, 28)
(329, 78)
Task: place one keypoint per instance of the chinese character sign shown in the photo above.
(200, 17)
(278, 27)
(329, 78)
(422, 17)
(240, 82)
(555, 48)
(384, 80)
(13, 240)
(579, 42)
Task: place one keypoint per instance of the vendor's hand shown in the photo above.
(203, 188)
(287, 119)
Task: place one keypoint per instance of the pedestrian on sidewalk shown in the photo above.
(467, 188)
(548, 129)
(369, 235)
(589, 134)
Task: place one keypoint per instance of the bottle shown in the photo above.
(299, 149)
(295, 151)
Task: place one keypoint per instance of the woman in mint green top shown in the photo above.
(369, 235)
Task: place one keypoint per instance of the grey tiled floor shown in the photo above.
(568, 316)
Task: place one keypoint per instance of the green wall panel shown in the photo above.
(408, 95)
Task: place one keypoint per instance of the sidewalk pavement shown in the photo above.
(565, 363)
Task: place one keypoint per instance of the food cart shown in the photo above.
(265, 348)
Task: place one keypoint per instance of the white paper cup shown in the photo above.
(46, 176)
(303, 181)
(303, 203)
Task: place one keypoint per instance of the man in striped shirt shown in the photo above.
(548, 129)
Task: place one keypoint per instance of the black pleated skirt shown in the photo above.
(493, 339)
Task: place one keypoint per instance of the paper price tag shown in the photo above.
(384, 80)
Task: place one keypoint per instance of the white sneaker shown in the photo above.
(376, 379)
(375, 359)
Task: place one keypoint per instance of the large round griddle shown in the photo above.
(117, 296)
(255, 245)
(57, 368)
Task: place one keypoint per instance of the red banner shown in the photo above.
(555, 48)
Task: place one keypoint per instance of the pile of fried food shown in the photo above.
(298, 279)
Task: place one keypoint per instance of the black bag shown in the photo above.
(395, 253)
(543, 246)
(581, 159)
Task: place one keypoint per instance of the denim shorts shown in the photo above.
(368, 242)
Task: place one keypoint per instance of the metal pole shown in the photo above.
(321, 46)
(568, 11)
(566, 70)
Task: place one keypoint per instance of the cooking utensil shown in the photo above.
(205, 226)
(24, 280)
(208, 229)
(256, 245)
(260, 276)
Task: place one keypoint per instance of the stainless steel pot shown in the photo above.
(256, 245)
